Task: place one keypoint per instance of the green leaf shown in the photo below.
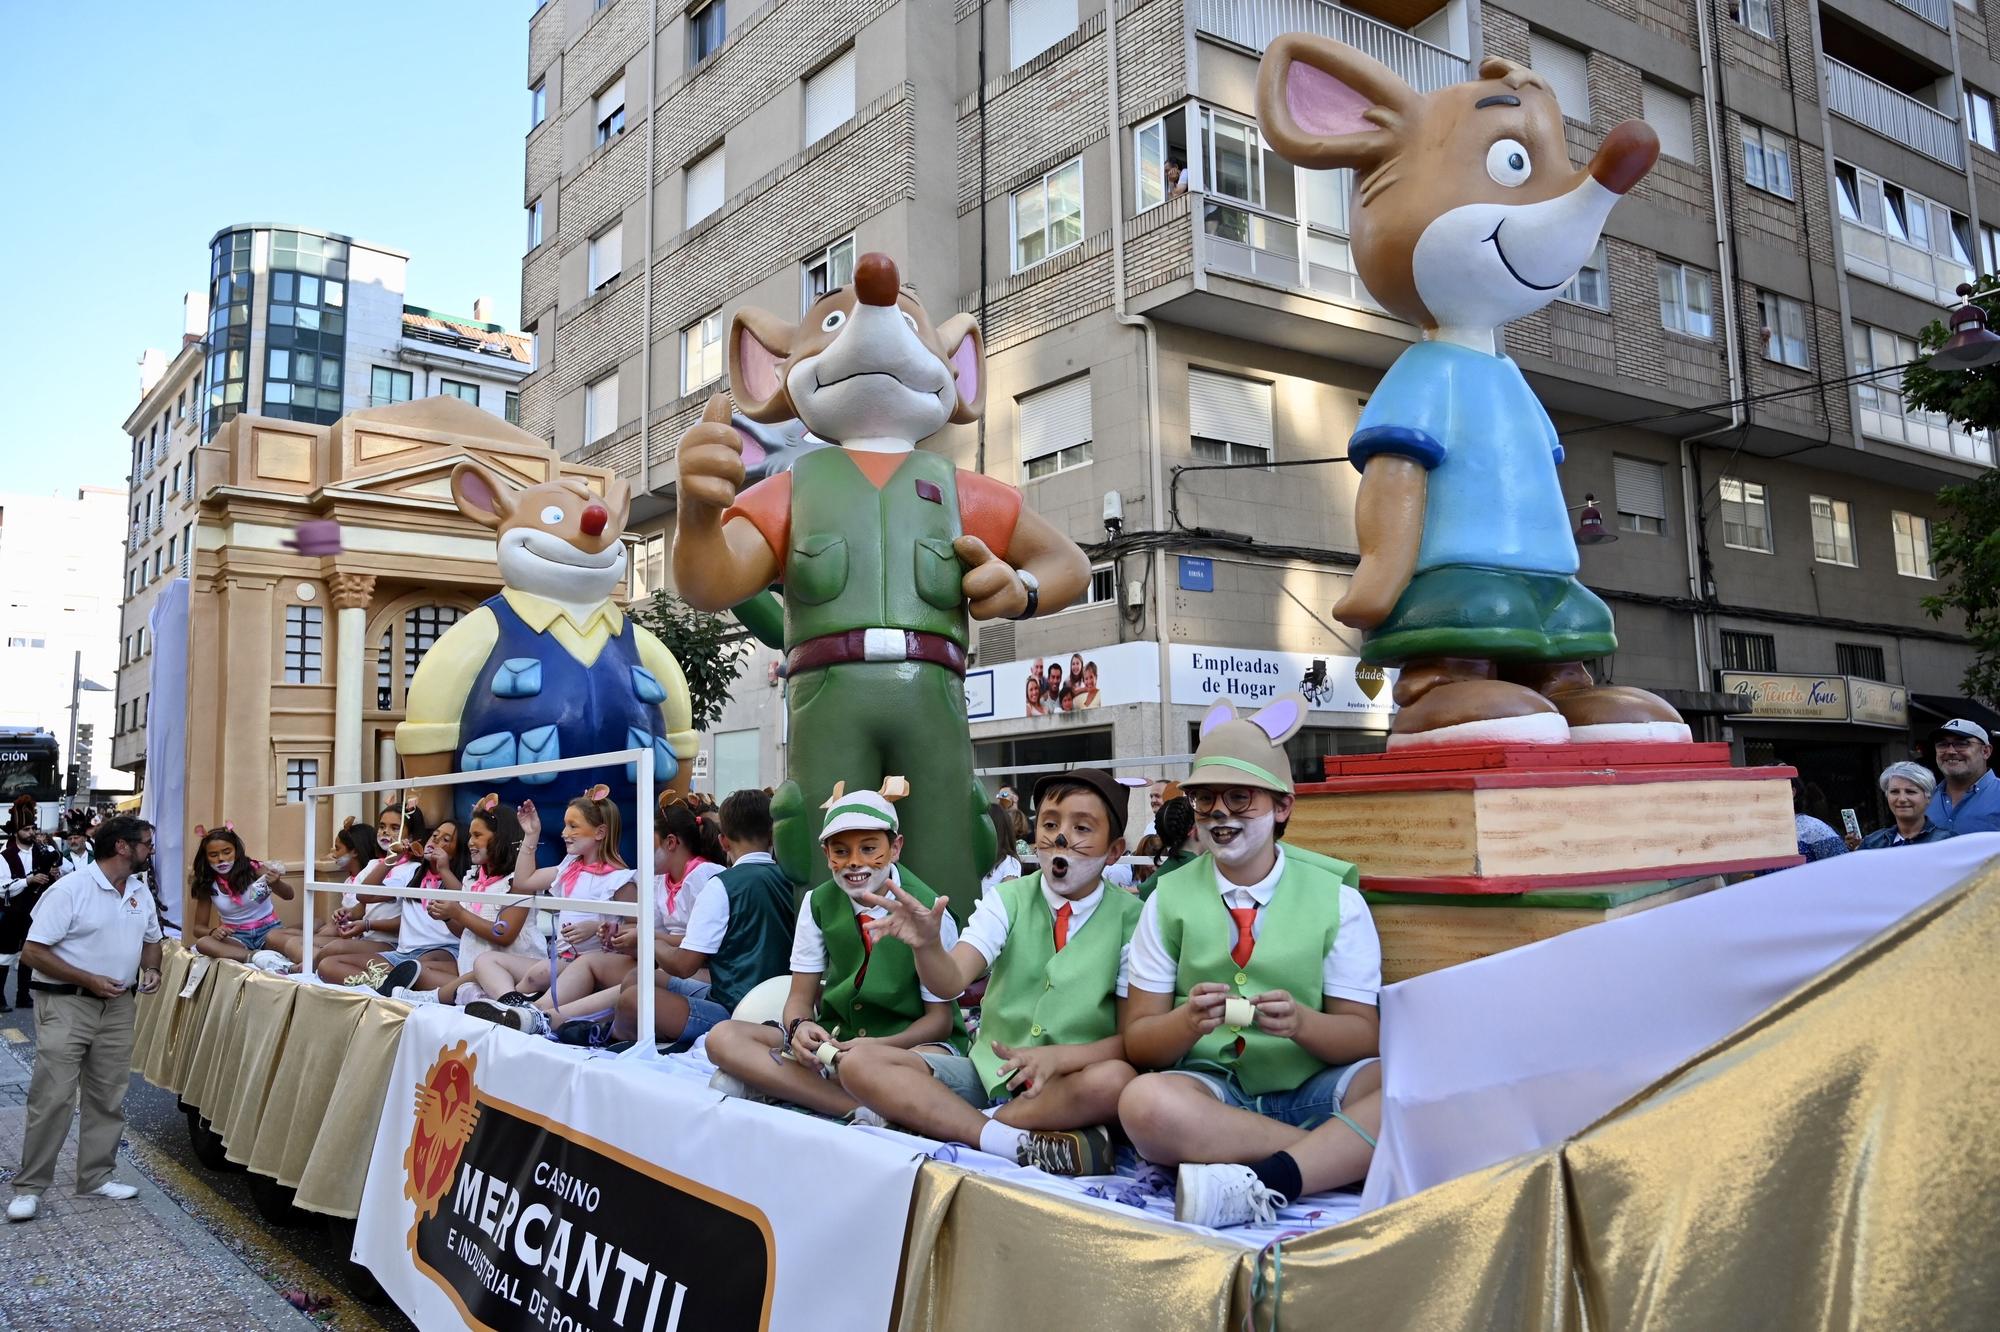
(711, 650)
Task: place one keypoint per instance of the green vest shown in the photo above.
(757, 944)
(1167, 866)
(1038, 996)
(1299, 926)
(888, 997)
(863, 558)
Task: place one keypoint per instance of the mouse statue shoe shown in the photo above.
(886, 551)
(1467, 214)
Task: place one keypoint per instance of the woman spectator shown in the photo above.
(1906, 789)
(1817, 839)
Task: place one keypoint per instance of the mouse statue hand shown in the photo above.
(711, 461)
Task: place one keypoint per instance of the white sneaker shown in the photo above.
(267, 959)
(410, 996)
(24, 1207)
(113, 1190)
(730, 1085)
(865, 1117)
(1220, 1196)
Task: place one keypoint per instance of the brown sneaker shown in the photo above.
(1085, 1151)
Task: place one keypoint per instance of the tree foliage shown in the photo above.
(710, 648)
(1965, 541)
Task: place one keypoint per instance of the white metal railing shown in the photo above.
(1937, 13)
(642, 910)
(1258, 23)
(1874, 105)
(1250, 242)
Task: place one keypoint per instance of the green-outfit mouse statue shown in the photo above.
(885, 552)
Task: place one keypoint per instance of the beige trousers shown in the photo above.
(82, 1039)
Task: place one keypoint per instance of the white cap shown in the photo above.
(859, 809)
(1971, 730)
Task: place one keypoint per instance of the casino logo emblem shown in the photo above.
(446, 1112)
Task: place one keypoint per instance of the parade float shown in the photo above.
(1752, 1107)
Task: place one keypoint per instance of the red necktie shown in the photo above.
(1062, 926)
(1246, 940)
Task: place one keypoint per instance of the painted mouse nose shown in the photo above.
(595, 516)
(876, 279)
(1627, 154)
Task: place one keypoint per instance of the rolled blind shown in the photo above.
(1055, 418)
(704, 187)
(830, 97)
(1672, 118)
(1226, 407)
(611, 99)
(1568, 72)
(1642, 487)
(1033, 26)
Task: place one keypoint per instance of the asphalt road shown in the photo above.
(304, 1253)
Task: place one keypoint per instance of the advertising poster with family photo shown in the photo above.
(1058, 685)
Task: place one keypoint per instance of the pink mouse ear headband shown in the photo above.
(487, 803)
(598, 794)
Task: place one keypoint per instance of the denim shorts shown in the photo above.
(395, 957)
(1305, 1106)
(959, 1074)
(703, 1012)
(253, 939)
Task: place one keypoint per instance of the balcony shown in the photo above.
(1896, 116)
(1937, 13)
(1257, 23)
(1279, 251)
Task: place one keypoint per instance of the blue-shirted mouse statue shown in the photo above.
(1467, 214)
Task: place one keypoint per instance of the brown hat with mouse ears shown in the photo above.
(1248, 751)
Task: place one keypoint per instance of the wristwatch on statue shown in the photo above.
(1034, 586)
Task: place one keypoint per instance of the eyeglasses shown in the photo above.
(1956, 742)
(1235, 799)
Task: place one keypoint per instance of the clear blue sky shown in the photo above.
(142, 129)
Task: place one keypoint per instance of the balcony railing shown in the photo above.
(1937, 13)
(1898, 116)
(1258, 23)
(1266, 247)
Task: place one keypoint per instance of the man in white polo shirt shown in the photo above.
(93, 935)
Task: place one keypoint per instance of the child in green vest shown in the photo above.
(1049, 1060)
(1254, 977)
(849, 989)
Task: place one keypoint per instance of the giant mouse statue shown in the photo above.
(884, 549)
(552, 667)
(1467, 214)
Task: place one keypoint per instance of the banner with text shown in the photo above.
(516, 1187)
(1202, 675)
(1049, 686)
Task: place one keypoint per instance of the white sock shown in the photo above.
(1002, 1140)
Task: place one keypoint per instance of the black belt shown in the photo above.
(50, 987)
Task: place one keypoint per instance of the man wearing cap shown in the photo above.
(848, 988)
(1968, 799)
(1253, 988)
(1049, 1060)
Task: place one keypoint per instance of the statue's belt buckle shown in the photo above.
(885, 645)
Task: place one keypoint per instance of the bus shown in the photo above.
(30, 764)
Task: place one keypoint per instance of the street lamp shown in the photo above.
(77, 685)
(1971, 345)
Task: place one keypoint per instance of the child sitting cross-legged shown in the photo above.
(1049, 1061)
(848, 990)
(1254, 976)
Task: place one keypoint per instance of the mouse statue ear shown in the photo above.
(760, 350)
(480, 494)
(965, 353)
(1323, 104)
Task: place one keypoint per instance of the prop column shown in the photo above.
(351, 595)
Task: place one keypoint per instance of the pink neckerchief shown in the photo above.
(566, 881)
(674, 885)
(430, 880)
(236, 898)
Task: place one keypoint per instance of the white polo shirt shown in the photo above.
(95, 927)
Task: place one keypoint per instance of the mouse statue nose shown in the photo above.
(876, 280)
(595, 516)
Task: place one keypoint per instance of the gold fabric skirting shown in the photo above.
(1832, 1166)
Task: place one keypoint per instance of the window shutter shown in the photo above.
(1226, 407)
(1055, 418)
(830, 97)
(611, 99)
(1672, 118)
(1568, 72)
(704, 187)
(1642, 487)
(1033, 26)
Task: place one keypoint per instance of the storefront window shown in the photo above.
(1000, 761)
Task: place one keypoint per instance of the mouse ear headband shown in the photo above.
(487, 803)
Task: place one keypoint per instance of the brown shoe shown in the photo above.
(1460, 712)
(1604, 713)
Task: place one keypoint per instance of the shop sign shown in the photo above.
(1204, 675)
(1787, 697)
(1873, 703)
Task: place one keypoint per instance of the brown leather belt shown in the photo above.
(875, 645)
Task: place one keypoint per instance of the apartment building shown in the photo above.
(294, 325)
(1188, 350)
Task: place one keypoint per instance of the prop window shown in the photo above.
(1229, 419)
(1055, 428)
(1033, 26)
(608, 110)
(1746, 516)
(1672, 118)
(702, 360)
(707, 27)
(1685, 301)
(830, 268)
(1592, 284)
(1784, 329)
(600, 408)
(1047, 216)
(1642, 494)
(300, 774)
(702, 183)
(1567, 71)
(1913, 545)
(402, 646)
(1833, 531)
(829, 97)
(305, 632)
(607, 255)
